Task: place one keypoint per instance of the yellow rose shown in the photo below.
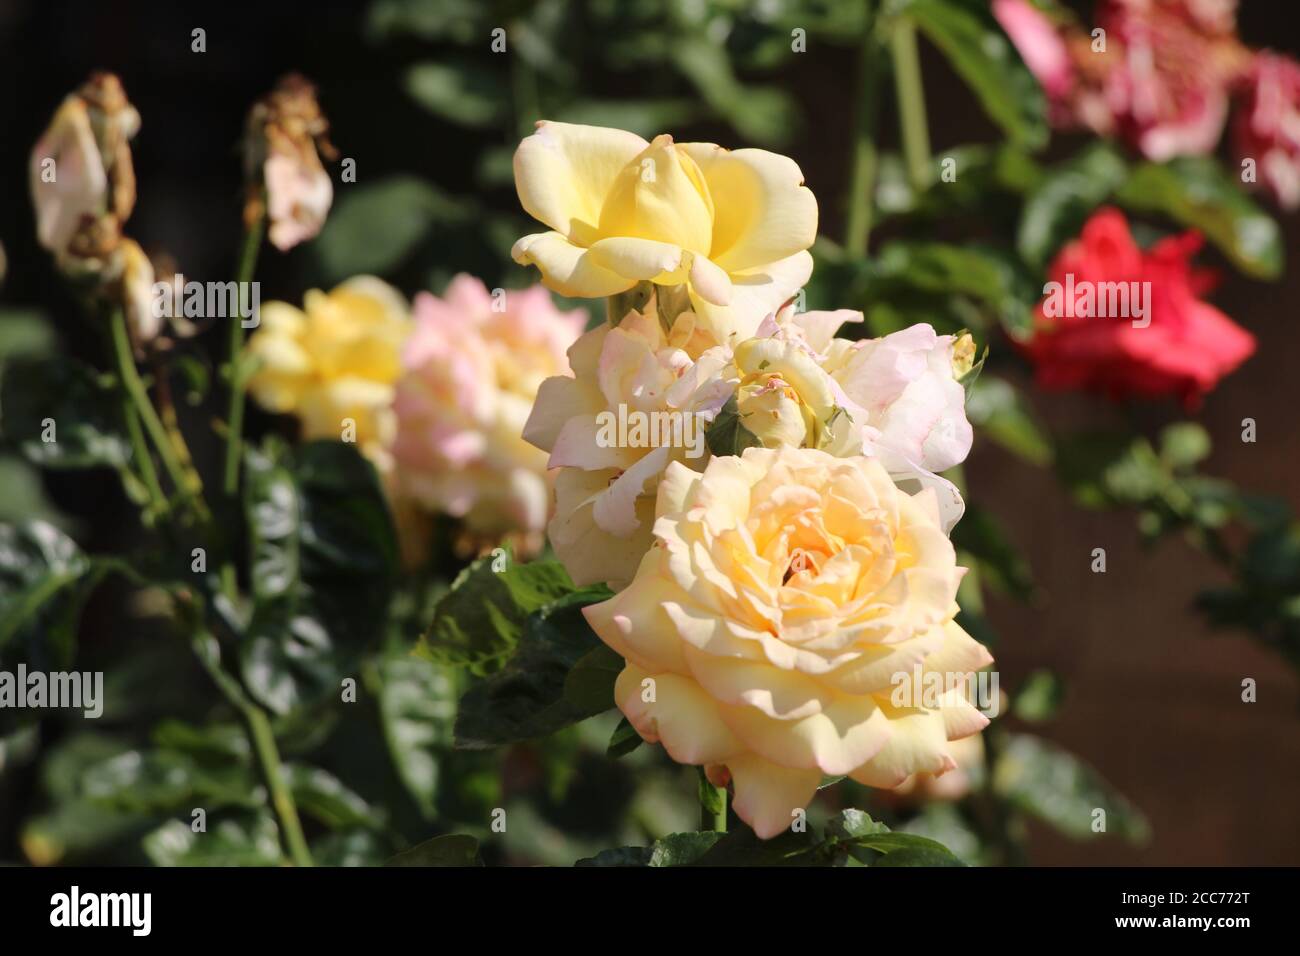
(733, 227)
(766, 633)
(335, 362)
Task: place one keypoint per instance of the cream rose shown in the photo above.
(605, 487)
(765, 631)
(733, 227)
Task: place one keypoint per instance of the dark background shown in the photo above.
(1153, 697)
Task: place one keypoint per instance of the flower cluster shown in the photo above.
(762, 495)
(434, 396)
(1162, 75)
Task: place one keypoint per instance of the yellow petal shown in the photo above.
(762, 211)
(660, 196)
(636, 258)
(566, 268)
(564, 172)
(754, 296)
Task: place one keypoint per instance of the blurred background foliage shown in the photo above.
(431, 114)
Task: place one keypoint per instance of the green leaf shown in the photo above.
(761, 114)
(462, 93)
(480, 620)
(44, 580)
(320, 794)
(166, 781)
(453, 849)
(727, 434)
(624, 740)
(677, 849)
(987, 277)
(855, 832)
(973, 42)
(417, 707)
(1196, 192)
(1001, 413)
(323, 561)
(1040, 778)
(740, 847)
(560, 675)
(245, 840)
(1040, 697)
(59, 413)
(982, 536)
(350, 848)
(1184, 445)
(374, 227)
(1055, 211)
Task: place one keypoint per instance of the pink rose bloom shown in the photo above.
(1040, 44)
(1268, 127)
(1170, 65)
(472, 368)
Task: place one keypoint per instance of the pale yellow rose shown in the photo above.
(766, 631)
(733, 227)
(784, 397)
(335, 362)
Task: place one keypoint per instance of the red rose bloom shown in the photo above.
(1167, 342)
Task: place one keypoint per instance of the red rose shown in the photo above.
(1268, 127)
(1127, 322)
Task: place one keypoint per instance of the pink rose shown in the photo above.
(1268, 127)
(472, 369)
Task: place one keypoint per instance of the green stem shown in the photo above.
(187, 482)
(235, 412)
(862, 178)
(262, 739)
(911, 102)
(142, 457)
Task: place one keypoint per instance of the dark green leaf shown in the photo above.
(375, 226)
(1040, 778)
(1196, 192)
(417, 705)
(59, 413)
(245, 840)
(463, 93)
(323, 560)
(1000, 412)
(453, 849)
(980, 52)
(1056, 210)
(533, 695)
(678, 849)
(479, 621)
(727, 434)
(624, 740)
